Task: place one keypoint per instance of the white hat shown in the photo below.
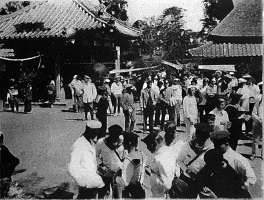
(241, 80)
(93, 124)
(107, 80)
(86, 76)
(75, 76)
(260, 83)
(246, 76)
(231, 73)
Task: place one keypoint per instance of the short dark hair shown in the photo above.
(170, 129)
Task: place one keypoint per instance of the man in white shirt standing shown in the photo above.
(89, 95)
(116, 89)
(163, 166)
(190, 110)
(221, 117)
(83, 165)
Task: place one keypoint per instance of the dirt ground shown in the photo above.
(42, 141)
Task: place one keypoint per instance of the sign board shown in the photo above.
(175, 66)
(229, 68)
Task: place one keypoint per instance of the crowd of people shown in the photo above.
(206, 164)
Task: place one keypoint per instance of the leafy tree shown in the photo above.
(214, 12)
(116, 8)
(13, 6)
(166, 33)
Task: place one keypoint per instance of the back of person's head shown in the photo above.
(114, 132)
(170, 128)
(130, 140)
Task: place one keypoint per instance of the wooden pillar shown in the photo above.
(117, 61)
(57, 78)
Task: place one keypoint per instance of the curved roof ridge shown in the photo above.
(96, 9)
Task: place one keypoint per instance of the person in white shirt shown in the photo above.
(221, 117)
(244, 90)
(110, 154)
(191, 160)
(253, 96)
(163, 166)
(190, 110)
(257, 115)
(89, 95)
(177, 95)
(238, 162)
(133, 168)
(117, 89)
(83, 164)
(234, 81)
(202, 105)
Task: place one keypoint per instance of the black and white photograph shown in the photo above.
(131, 99)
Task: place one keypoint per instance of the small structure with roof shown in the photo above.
(237, 38)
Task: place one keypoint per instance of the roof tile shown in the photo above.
(56, 16)
(211, 50)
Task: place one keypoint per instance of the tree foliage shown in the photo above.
(116, 8)
(214, 12)
(13, 6)
(166, 33)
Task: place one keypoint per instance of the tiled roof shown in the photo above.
(245, 20)
(211, 50)
(56, 18)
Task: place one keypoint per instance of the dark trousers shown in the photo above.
(129, 122)
(202, 110)
(87, 193)
(88, 107)
(27, 105)
(117, 103)
(102, 117)
(165, 108)
(249, 123)
(157, 113)
(134, 191)
(149, 113)
(51, 99)
(105, 191)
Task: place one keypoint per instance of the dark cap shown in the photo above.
(131, 139)
(202, 131)
(203, 127)
(115, 131)
(219, 135)
(213, 157)
(102, 88)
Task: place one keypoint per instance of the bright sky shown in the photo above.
(138, 9)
